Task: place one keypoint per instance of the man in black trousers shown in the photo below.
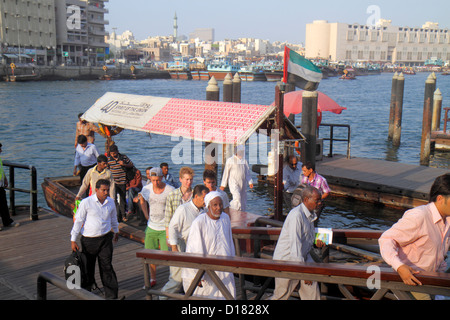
(4, 211)
(95, 218)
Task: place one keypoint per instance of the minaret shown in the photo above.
(175, 27)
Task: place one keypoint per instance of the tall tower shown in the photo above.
(175, 27)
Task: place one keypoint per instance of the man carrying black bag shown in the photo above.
(95, 218)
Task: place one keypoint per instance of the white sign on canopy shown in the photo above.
(209, 121)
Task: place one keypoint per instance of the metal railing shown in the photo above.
(12, 189)
(332, 139)
(46, 277)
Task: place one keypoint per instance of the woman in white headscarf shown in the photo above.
(210, 234)
(236, 175)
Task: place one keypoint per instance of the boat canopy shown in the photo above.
(208, 121)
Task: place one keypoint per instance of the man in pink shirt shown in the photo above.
(420, 240)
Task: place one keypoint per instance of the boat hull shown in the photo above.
(204, 75)
(180, 75)
(195, 75)
(220, 75)
(273, 75)
(58, 194)
(252, 76)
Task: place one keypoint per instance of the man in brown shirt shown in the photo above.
(87, 129)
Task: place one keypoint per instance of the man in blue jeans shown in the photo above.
(4, 211)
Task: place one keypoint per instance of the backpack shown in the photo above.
(76, 259)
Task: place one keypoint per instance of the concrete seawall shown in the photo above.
(86, 73)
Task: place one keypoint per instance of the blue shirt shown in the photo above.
(86, 157)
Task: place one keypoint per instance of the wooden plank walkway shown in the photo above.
(43, 245)
(391, 183)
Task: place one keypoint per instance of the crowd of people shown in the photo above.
(181, 217)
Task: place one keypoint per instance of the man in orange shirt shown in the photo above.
(420, 240)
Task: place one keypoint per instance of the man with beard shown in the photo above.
(210, 234)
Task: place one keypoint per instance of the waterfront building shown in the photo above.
(80, 29)
(27, 30)
(49, 32)
(408, 46)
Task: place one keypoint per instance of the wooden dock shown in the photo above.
(390, 183)
(43, 245)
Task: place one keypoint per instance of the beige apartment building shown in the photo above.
(27, 30)
(53, 31)
(383, 43)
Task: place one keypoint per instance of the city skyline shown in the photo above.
(258, 19)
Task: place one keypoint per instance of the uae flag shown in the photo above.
(300, 71)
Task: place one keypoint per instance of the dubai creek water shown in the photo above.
(37, 127)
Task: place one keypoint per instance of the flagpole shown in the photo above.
(278, 192)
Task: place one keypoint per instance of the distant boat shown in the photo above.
(348, 74)
(21, 77)
(273, 75)
(179, 69)
(409, 71)
(220, 68)
(273, 70)
(252, 73)
(198, 69)
(434, 64)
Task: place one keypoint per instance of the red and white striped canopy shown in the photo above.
(209, 121)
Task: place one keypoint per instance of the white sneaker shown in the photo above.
(14, 224)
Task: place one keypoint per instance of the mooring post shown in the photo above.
(228, 88)
(236, 88)
(278, 192)
(227, 149)
(425, 148)
(399, 91)
(212, 94)
(437, 108)
(309, 126)
(392, 109)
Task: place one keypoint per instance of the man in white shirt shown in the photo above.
(85, 156)
(210, 181)
(295, 243)
(236, 175)
(291, 179)
(179, 227)
(95, 218)
(210, 234)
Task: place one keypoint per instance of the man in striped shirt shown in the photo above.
(179, 196)
(118, 164)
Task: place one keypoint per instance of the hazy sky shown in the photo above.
(282, 20)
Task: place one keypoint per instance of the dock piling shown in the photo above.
(309, 126)
(437, 108)
(236, 88)
(228, 96)
(398, 107)
(278, 190)
(425, 148)
(211, 151)
(392, 108)
(227, 88)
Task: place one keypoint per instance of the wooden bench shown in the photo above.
(341, 274)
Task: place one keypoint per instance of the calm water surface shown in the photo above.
(38, 128)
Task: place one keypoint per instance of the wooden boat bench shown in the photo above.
(433, 283)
